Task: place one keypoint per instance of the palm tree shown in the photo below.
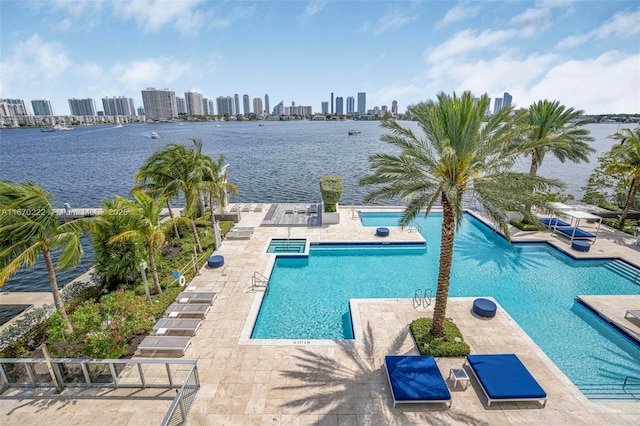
(626, 160)
(457, 155)
(555, 130)
(28, 228)
(216, 185)
(145, 214)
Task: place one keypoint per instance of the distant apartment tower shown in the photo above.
(211, 108)
(82, 107)
(236, 103)
(118, 105)
(140, 111)
(362, 102)
(331, 102)
(159, 104)
(394, 107)
(205, 107)
(246, 108)
(194, 103)
(266, 103)
(16, 106)
(43, 107)
(506, 99)
(225, 105)
(497, 105)
(257, 106)
(339, 105)
(181, 104)
(324, 107)
(488, 111)
(279, 109)
(351, 105)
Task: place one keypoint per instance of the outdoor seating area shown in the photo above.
(240, 233)
(416, 379)
(504, 378)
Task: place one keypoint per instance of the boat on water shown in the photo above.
(48, 129)
(154, 135)
(353, 132)
(61, 127)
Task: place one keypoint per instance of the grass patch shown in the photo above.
(527, 226)
(451, 345)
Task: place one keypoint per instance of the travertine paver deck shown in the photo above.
(337, 382)
(613, 308)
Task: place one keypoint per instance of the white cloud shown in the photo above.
(469, 41)
(152, 15)
(622, 24)
(532, 20)
(395, 19)
(314, 7)
(458, 13)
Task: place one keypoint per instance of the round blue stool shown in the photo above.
(580, 246)
(484, 307)
(215, 261)
(382, 232)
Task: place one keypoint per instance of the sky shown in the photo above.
(584, 54)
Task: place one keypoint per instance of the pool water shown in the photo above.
(309, 297)
(287, 246)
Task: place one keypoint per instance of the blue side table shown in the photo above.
(215, 261)
(382, 232)
(580, 246)
(485, 308)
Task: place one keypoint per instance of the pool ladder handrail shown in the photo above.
(259, 280)
(422, 298)
(415, 227)
(626, 379)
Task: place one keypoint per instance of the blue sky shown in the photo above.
(585, 54)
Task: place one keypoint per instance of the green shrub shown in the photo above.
(331, 190)
(527, 226)
(451, 345)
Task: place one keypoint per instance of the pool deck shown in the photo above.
(337, 382)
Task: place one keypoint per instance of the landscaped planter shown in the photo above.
(331, 218)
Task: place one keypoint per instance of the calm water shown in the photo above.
(277, 162)
(522, 278)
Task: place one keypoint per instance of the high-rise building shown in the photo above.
(205, 106)
(351, 108)
(82, 107)
(488, 111)
(118, 105)
(339, 105)
(497, 105)
(394, 107)
(225, 105)
(140, 111)
(246, 108)
(266, 103)
(181, 104)
(236, 104)
(159, 104)
(257, 106)
(332, 103)
(43, 107)
(506, 99)
(17, 106)
(362, 102)
(325, 107)
(194, 103)
(210, 108)
(279, 109)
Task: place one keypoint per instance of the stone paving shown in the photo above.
(334, 382)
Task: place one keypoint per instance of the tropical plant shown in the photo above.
(216, 186)
(456, 156)
(29, 227)
(331, 188)
(626, 160)
(144, 221)
(555, 130)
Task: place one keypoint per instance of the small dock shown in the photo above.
(613, 308)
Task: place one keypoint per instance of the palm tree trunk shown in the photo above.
(444, 271)
(533, 171)
(195, 234)
(627, 206)
(154, 270)
(175, 225)
(57, 298)
(213, 213)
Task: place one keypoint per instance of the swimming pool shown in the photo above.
(535, 283)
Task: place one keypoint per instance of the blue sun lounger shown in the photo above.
(504, 378)
(550, 222)
(575, 233)
(415, 379)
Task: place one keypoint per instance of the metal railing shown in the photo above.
(626, 379)
(422, 298)
(181, 405)
(259, 280)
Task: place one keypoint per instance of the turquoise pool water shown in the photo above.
(283, 245)
(308, 298)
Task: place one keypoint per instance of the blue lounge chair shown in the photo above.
(575, 233)
(504, 378)
(415, 379)
(550, 222)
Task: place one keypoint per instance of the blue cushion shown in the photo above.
(484, 307)
(503, 376)
(215, 261)
(553, 221)
(579, 233)
(382, 232)
(580, 245)
(416, 378)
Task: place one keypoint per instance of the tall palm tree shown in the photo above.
(455, 156)
(216, 185)
(626, 160)
(28, 228)
(555, 129)
(145, 214)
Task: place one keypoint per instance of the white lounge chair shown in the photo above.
(170, 326)
(246, 208)
(196, 297)
(258, 208)
(187, 310)
(633, 313)
(164, 344)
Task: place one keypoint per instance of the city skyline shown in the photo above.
(585, 57)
